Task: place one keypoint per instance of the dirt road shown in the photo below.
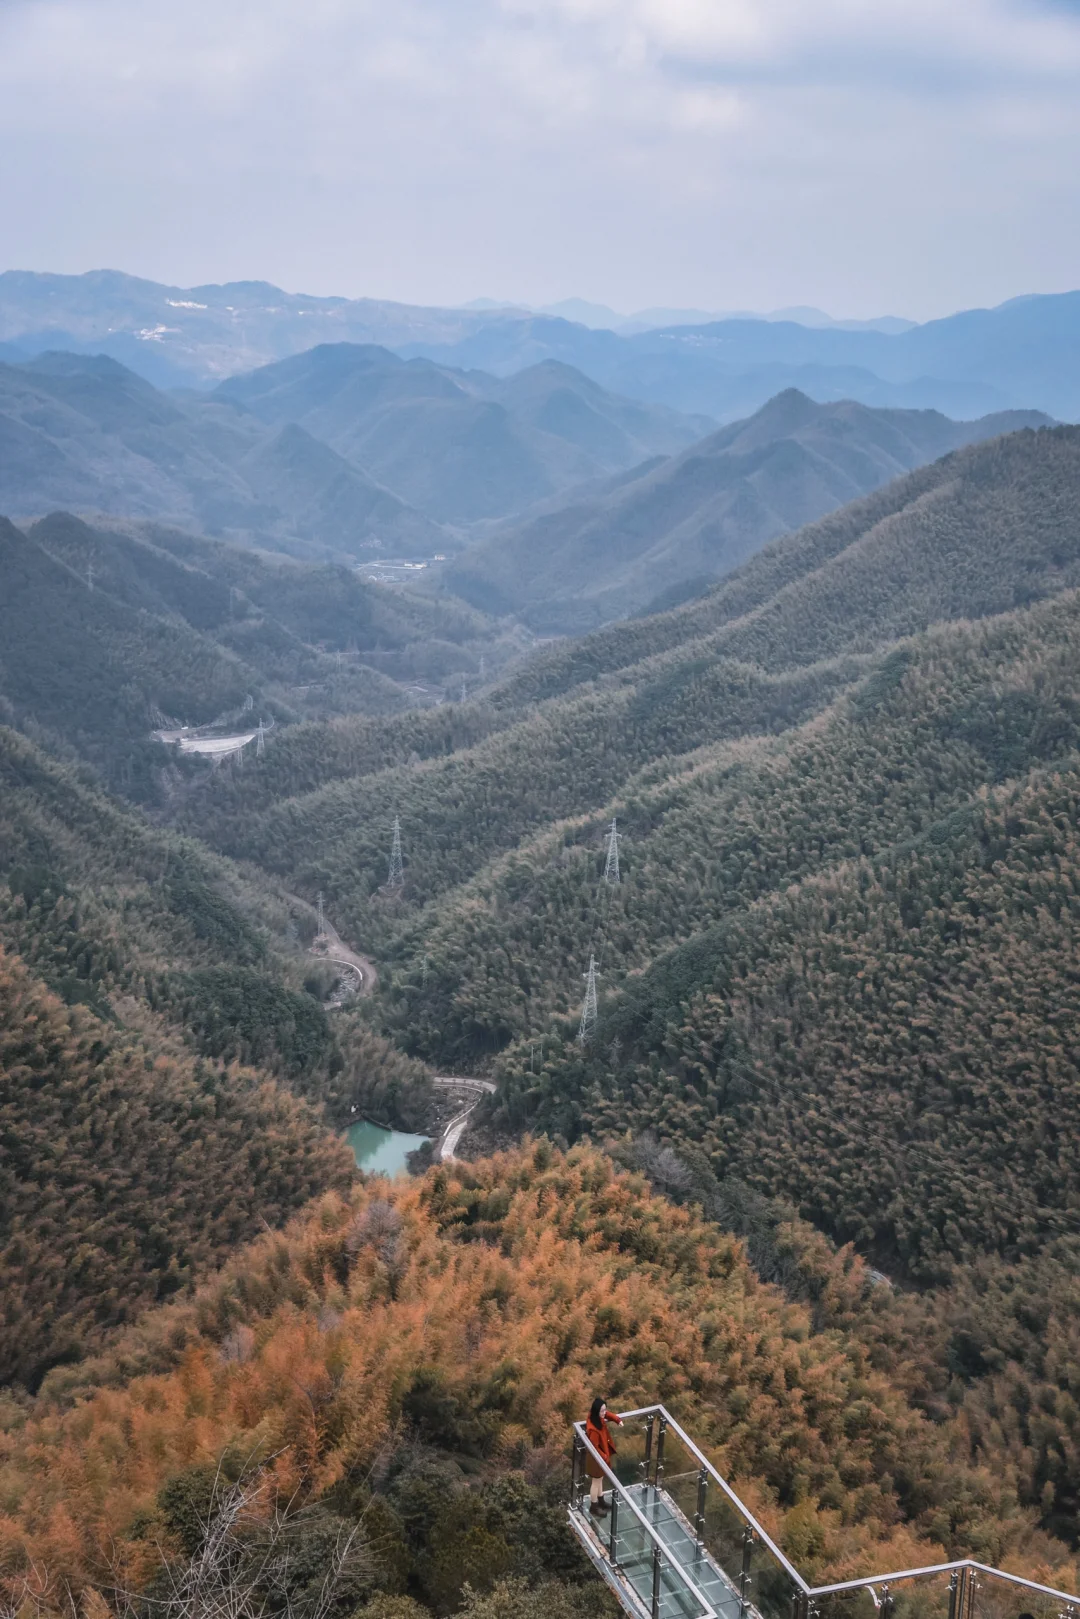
(331, 947)
(456, 1128)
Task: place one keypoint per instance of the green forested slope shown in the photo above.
(703, 837)
(320, 813)
(987, 528)
(127, 1170)
(697, 516)
(892, 1044)
(104, 634)
(82, 432)
(460, 811)
(111, 911)
(136, 1151)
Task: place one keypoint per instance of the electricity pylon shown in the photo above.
(464, 694)
(611, 868)
(260, 741)
(321, 925)
(587, 1027)
(396, 878)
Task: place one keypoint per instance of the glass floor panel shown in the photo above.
(633, 1555)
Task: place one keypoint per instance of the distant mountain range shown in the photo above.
(1025, 354)
(602, 317)
(460, 446)
(658, 537)
(85, 433)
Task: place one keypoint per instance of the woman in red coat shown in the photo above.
(598, 1435)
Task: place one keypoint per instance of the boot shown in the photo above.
(599, 1509)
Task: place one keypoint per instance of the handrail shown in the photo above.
(763, 1535)
(708, 1612)
(1070, 1599)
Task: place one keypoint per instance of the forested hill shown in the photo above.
(84, 433)
(405, 1362)
(983, 530)
(668, 532)
(459, 446)
(841, 961)
(340, 453)
(973, 535)
(106, 634)
(169, 1067)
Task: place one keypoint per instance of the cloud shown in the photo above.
(896, 154)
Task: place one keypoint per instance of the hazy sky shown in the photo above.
(869, 156)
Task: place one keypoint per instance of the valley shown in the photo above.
(304, 863)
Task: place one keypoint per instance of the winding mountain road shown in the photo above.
(337, 950)
(333, 948)
(456, 1128)
(329, 946)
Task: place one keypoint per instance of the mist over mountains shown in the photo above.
(1024, 354)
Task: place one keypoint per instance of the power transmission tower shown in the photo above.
(322, 925)
(463, 695)
(483, 666)
(396, 878)
(249, 703)
(260, 741)
(89, 576)
(611, 868)
(587, 1027)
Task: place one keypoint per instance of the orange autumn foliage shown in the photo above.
(526, 1284)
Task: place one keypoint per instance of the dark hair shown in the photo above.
(597, 1406)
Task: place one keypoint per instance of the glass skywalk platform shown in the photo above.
(688, 1583)
(677, 1543)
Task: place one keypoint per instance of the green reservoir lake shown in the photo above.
(378, 1151)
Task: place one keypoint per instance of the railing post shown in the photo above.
(660, 1452)
(798, 1606)
(885, 1611)
(744, 1572)
(575, 1467)
(582, 1474)
(613, 1530)
(956, 1593)
(699, 1515)
(648, 1448)
(655, 1581)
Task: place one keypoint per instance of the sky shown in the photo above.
(869, 157)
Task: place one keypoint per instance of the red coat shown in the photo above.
(603, 1442)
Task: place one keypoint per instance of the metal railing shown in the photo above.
(622, 1501)
(972, 1590)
